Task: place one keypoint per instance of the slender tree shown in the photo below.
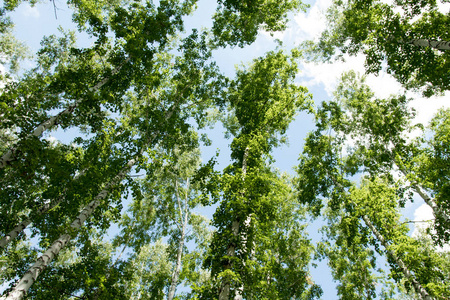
(409, 36)
(321, 173)
(136, 52)
(193, 86)
(263, 100)
(379, 129)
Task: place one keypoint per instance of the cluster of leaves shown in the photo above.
(132, 97)
(385, 33)
(135, 97)
(360, 134)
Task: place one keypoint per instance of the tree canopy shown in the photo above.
(123, 206)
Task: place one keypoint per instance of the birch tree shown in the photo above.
(172, 119)
(80, 99)
(263, 100)
(368, 215)
(168, 85)
(409, 36)
(380, 130)
(79, 269)
(433, 165)
(77, 174)
(165, 210)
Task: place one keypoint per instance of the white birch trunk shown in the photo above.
(240, 289)
(417, 287)
(439, 45)
(231, 251)
(43, 209)
(247, 222)
(176, 272)
(52, 121)
(14, 233)
(21, 227)
(437, 211)
(42, 262)
(28, 279)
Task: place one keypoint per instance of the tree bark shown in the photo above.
(42, 210)
(52, 121)
(24, 224)
(231, 251)
(417, 287)
(439, 45)
(42, 262)
(176, 272)
(14, 233)
(437, 211)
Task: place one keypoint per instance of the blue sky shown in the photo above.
(33, 22)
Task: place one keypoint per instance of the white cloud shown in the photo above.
(425, 213)
(2, 72)
(310, 25)
(427, 107)
(52, 140)
(443, 7)
(384, 85)
(422, 213)
(328, 74)
(280, 35)
(30, 12)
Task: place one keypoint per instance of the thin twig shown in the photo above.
(423, 221)
(54, 8)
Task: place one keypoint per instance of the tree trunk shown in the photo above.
(176, 272)
(437, 211)
(49, 123)
(231, 251)
(43, 209)
(184, 221)
(28, 279)
(439, 45)
(14, 233)
(42, 262)
(417, 287)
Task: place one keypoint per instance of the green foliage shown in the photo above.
(259, 243)
(12, 51)
(378, 135)
(365, 218)
(136, 97)
(433, 165)
(384, 32)
(238, 22)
